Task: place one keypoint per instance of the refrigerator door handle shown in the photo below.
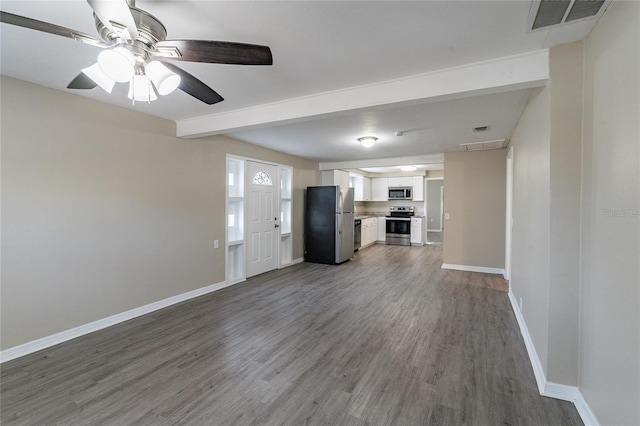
(340, 207)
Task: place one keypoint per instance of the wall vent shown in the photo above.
(549, 13)
(484, 146)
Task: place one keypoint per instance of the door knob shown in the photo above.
(276, 226)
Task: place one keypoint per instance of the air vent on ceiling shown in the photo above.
(547, 13)
(484, 146)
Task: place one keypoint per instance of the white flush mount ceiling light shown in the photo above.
(367, 141)
(408, 168)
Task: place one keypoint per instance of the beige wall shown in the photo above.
(435, 173)
(610, 288)
(530, 241)
(105, 210)
(576, 235)
(564, 210)
(546, 235)
(475, 199)
(305, 173)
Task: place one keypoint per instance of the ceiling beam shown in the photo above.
(494, 76)
(384, 162)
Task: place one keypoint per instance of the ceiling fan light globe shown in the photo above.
(117, 63)
(94, 72)
(165, 80)
(141, 90)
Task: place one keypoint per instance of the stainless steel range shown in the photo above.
(399, 225)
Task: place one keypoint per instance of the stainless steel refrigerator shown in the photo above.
(328, 224)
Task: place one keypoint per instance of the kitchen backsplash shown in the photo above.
(381, 208)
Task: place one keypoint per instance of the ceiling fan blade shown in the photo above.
(219, 52)
(194, 87)
(82, 81)
(115, 12)
(33, 24)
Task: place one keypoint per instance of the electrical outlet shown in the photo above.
(215, 244)
(447, 216)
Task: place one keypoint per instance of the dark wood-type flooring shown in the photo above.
(385, 339)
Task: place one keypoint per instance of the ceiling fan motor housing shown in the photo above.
(150, 30)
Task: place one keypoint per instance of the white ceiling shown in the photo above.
(318, 47)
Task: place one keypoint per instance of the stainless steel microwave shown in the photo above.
(401, 193)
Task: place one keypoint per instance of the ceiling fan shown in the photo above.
(136, 52)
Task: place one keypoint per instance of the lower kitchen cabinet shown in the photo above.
(369, 231)
(382, 229)
(417, 231)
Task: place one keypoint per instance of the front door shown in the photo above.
(262, 214)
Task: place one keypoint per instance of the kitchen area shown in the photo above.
(390, 209)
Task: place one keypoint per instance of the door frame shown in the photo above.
(426, 206)
(508, 244)
(245, 238)
(247, 214)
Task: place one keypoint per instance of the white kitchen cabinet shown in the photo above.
(369, 232)
(356, 182)
(361, 187)
(366, 188)
(380, 189)
(335, 177)
(399, 181)
(418, 188)
(382, 229)
(365, 238)
(417, 231)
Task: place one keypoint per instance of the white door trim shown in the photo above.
(426, 206)
(509, 216)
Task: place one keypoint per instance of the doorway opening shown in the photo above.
(434, 200)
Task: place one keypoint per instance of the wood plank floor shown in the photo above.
(385, 339)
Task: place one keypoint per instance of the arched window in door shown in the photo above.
(262, 178)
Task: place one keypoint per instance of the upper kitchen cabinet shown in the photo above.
(335, 177)
(395, 182)
(418, 188)
(366, 188)
(380, 189)
(361, 187)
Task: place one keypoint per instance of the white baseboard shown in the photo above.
(588, 418)
(293, 262)
(434, 230)
(551, 389)
(531, 350)
(558, 391)
(63, 336)
(467, 268)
